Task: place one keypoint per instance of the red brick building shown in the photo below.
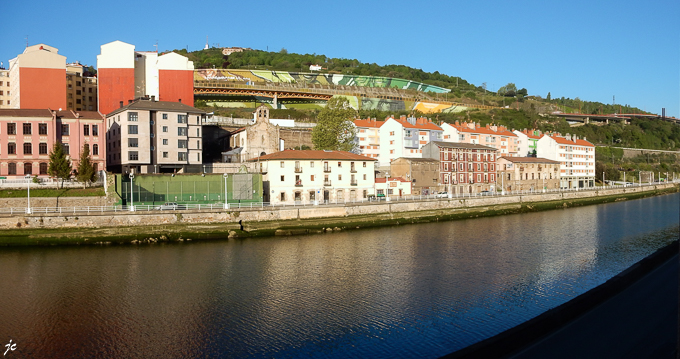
(464, 167)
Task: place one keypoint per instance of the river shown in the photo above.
(408, 291)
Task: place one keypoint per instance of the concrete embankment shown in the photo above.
(155, 226)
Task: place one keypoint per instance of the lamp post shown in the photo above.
(132, 193)
(602, 179)
(226, 205)
(28, 208)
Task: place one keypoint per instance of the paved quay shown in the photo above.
(640, 322)
(633, 315)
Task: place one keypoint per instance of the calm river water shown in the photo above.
(411, 291)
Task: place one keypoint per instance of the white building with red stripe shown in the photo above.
(125, 74)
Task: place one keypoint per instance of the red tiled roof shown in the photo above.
(564, 141)
(312, 155)
(393, 179)
(16, 112)
(368, 123)
(421, 126)
(484, 130)
(529, 160)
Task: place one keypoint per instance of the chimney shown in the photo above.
(402, 117)
(129, 102)
(121, 104)
(153, 98)
(180, 100)
(457, 123)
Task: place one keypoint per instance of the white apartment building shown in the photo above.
(5, 98)
(405, 137)
(368, 136)
(311, 176)
(152, 136)
(576, 156)
(498, 137)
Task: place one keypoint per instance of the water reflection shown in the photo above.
(408, 291)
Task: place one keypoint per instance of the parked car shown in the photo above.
(170, 206)
(486, 193)
(442, 195)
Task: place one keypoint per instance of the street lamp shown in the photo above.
(226, 205)
(602, 179)
(132, 193)
(28, 208)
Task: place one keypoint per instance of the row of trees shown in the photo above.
(60, 165)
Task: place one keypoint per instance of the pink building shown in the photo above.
(27, 137)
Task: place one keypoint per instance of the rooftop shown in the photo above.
(146, 104)
(470, 146)
(312, 155)
(529, 160)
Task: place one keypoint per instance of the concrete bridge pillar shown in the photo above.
(275, 102)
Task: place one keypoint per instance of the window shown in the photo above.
(11, 128)
(364, 177)
(133, 156)
(86, 130)
(181, 118)
(181, 156)
(339, 177)
(165, 116)
(311, 178)
(132, 129)
(165, 128)
(283, 196)
(181, 131)
(95, 130)
(43, 168)
(133, 117)
(64, 130)
(42, 128)
(311, 164)
(364, 164)
(181, 143)
(165, 141)
(27, 128)
(95, 150)
(391, 133)
(12, 168)
(42, 148)
(132, 142)
(339, 164)
(165, 155)
(66, 148)
(12, 148)
(198, 132)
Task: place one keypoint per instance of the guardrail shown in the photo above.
(260, 205)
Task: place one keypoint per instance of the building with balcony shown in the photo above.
(464, 167)
(404, 138)
(498, 137)
(533, 174)
(150, 136)
(576, 156)
(310, 176)
(368, 136)
(528, 140)
(27, 137)
(81, 90)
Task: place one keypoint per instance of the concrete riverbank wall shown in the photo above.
(122, 227)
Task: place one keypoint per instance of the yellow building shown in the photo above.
(81, 91)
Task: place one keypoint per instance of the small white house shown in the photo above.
(311, 176)
(392, 187)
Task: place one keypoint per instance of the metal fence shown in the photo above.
(260, 205)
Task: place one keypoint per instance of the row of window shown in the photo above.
(42, 168)
(42, 148)
(298, 195)
(181, 156)
(488, 178)
(42, 129)
(470, 166)
(298, 179)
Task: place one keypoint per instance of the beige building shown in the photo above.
(152, 136)
(528, 174)
(81, 91)
(423, 173)
(5, 98)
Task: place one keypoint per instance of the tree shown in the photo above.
(60, 165)
(86, 173)
(508, 90)
(334, 129)
(548, 97)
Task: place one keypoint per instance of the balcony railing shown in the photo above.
(327, 169)
(327, 183)
(298, 183)
(353, 183)
(353, 170)
(298, 169)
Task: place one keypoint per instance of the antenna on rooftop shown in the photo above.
(156, 46)
(26, 40)
(206, 44)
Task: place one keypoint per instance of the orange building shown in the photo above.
(38, 78)
(125, 74)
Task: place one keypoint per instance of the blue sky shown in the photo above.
(593, 50)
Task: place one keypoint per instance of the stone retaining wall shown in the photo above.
(406, 210)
